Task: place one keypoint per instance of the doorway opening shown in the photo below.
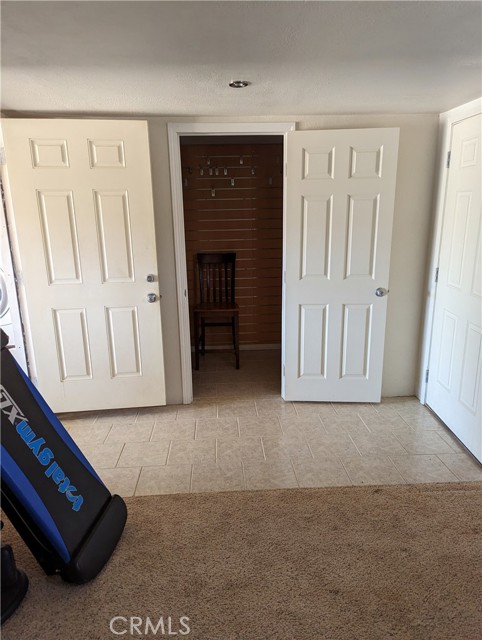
(233, 202)
(221, 134)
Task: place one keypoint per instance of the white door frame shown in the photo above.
(447, 120)
(175, 131)
(31, 368)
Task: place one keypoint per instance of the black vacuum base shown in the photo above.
(14, 583)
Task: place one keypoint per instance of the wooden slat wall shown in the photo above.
(233, 201)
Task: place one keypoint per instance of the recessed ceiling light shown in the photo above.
(238, 84)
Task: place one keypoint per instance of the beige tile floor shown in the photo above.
(238, 434)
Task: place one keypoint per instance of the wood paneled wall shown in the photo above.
(233, 201)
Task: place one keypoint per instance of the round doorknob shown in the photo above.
(380, 292)
(151, 297)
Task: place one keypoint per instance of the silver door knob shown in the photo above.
(150, 277)
(380, 292)
(151, 297)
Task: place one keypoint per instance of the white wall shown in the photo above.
(410, 245)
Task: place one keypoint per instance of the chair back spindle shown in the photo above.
(216, 276)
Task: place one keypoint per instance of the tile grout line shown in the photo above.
(447, 467)
(311, 450)
(323, 424)
(401, 443)
(294, 471)
(452, 445)
(280, 425)
(105, 439)
(120, 455)
(368, 428)
(350, 436)
(137, 482)
(244, 475)
(168, 453)
(406, 421)
(346, 471)
(190, 478)
(400, 471)
(262, 448)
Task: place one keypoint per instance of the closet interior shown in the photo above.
(233, 202)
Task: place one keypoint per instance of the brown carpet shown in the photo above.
(319, 564)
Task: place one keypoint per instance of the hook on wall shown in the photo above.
(213, 192)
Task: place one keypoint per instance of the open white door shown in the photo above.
(339, 212)
(454, 382)
(84, 224)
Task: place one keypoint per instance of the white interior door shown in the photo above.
(454, 383)
(84, 224)
(339, 212)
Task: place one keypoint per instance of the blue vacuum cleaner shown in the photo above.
(50, 493)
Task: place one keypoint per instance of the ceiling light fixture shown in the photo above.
(238, 84)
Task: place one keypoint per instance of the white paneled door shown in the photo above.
(339, 212)
(84, 224)
(454, 383)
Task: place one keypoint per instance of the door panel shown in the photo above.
(59, 235)
(84, 221)
(340, 195)
(312, 340)
(73, 344)
(112, 216)
(356, 336)
(123, 341)
(454, 384)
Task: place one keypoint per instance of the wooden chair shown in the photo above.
(216, 275)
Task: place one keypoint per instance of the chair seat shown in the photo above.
(217, 307)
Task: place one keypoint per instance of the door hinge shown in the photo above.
(286, 169)
(449, 154)
(436, 274)
(284, 371)
(3, 159)
(284, 276)
(426, 376)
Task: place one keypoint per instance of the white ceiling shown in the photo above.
(176, 58)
